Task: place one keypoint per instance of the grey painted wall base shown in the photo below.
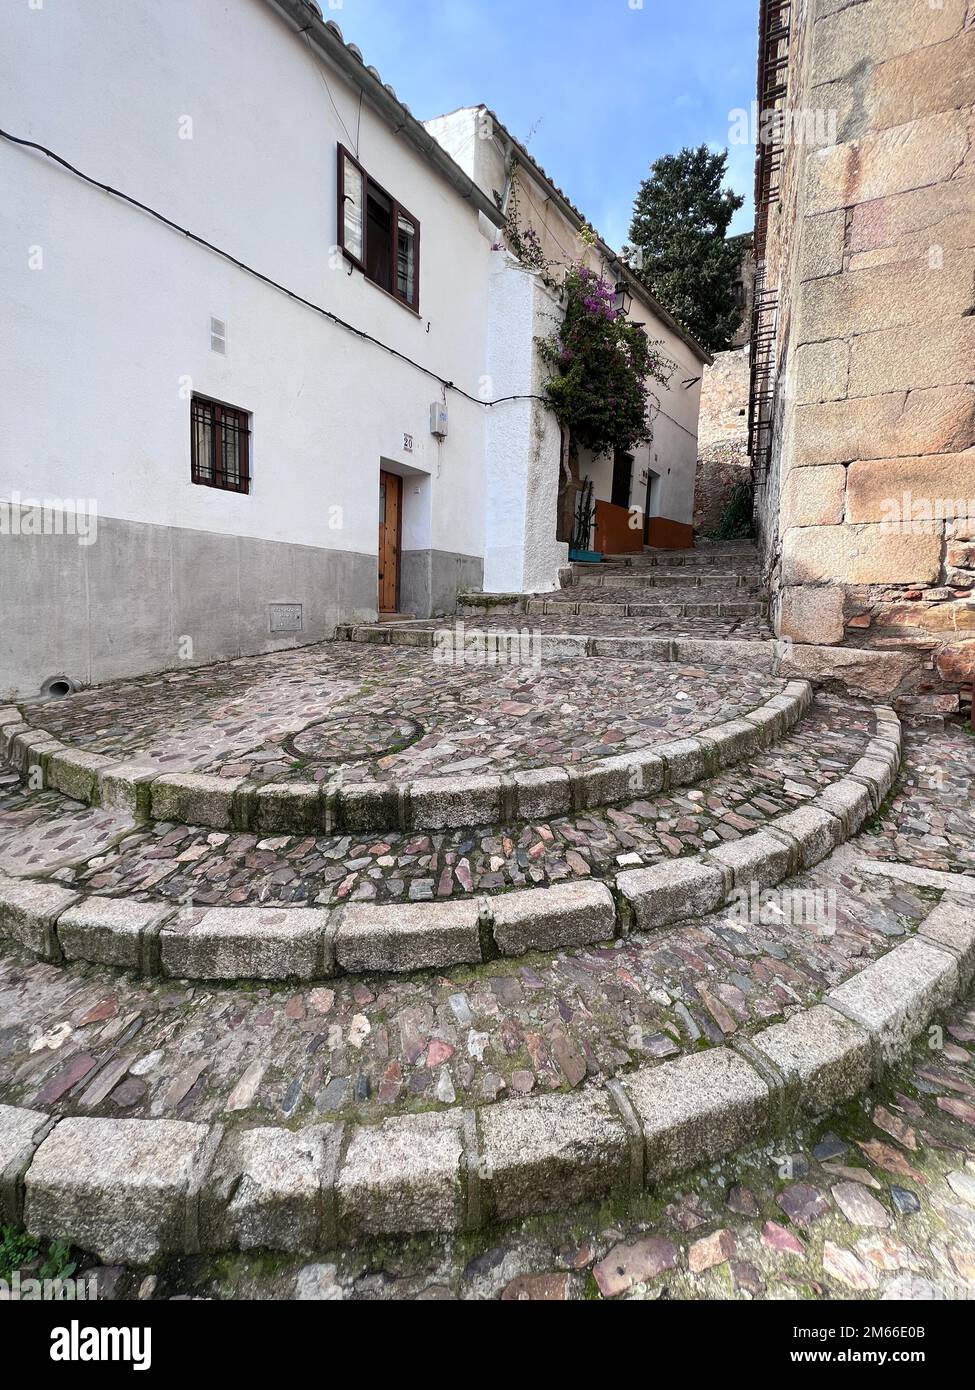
(430, 581)
(124, 605)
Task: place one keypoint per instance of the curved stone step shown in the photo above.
(183, 864)
(429, 802)
(228, 943)
(135, 1190)
(74, 1032)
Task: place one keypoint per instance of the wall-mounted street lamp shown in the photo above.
(624, 300)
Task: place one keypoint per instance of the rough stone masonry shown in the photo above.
(867, 509)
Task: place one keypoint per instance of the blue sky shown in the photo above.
(601, 88)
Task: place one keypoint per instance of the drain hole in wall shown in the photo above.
(56, 687)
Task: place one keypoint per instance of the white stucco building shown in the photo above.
(243, 378)
(657, 479)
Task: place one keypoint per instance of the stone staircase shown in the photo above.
(714, 593)
(348, 943)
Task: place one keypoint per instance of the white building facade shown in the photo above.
(268, 386)
(644, 497)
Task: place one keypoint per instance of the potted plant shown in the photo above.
(585, 517)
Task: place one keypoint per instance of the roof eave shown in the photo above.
(578, 220)
(326, 39)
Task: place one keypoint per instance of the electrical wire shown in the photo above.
(265, 279)
(353, 143)
(571, 256)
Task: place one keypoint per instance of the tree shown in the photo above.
(679, 231)
(602, 366)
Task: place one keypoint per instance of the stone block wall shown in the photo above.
(722, 437)
(868, 516)
(746, 278)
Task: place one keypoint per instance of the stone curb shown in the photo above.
(268, 944)
(737, 653)
(134, 1191)
(612, 608)
(589, 601)
(223, 803)
(635, 578)
(607, 608)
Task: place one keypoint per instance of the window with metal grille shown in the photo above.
(377, 233)
(220, 439)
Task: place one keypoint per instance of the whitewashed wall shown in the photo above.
(521, 553)
(99, 346)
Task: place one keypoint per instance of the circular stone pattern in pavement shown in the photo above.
(352, 737)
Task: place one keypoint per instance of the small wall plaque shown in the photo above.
(286, 617)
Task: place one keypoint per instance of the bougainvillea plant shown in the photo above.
(524, 242)
(602, 368)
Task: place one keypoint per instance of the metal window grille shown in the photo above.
(220, 439)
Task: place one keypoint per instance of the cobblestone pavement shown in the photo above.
(43, 830)
(932, 814)
(82, 1039)
(875, 1202)
(236, 718)
(185, 864)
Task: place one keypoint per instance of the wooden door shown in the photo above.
(390, 523)
(622, 478)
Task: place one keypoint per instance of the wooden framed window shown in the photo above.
(220, 445)
(378, 234)
(352, 208)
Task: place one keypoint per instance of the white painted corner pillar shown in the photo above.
(521, 553)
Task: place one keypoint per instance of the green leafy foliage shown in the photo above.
(602, 366)
(680, 226)
(736, 520)
(58, 1264)
(18, 1250)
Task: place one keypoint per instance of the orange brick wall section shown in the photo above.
(671, 535)
(615, 535)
